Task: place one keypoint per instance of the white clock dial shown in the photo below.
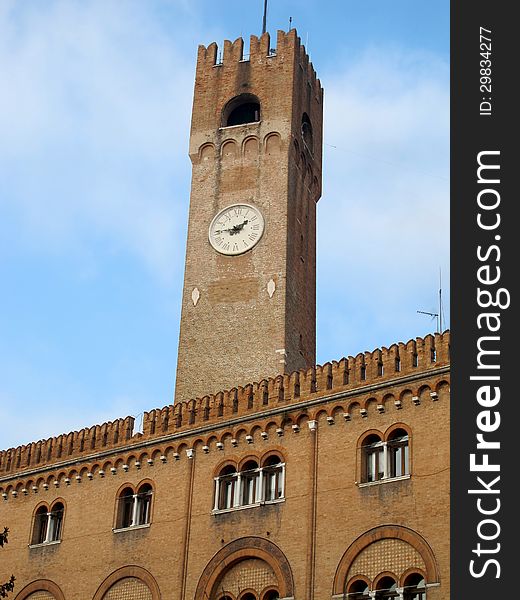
(236, 229)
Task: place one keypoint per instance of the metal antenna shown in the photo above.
(432, 315)
(440, 300)
(290, 23)
(264, 22)
(437, 315)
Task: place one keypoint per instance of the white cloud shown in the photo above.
(94, 122)
(384, 216)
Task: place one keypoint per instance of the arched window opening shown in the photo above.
(358, 590)
(134, 508)
(307, 131)
(143, 503)
(248, 596)
(414, 587)
(249, 480)
(386, 588)
(125, 509)
(398, 454)
(40, 526)
(227, 481)
(382, 460)
(252, 486)
(373, 459)
(47, 524)
(271, 595)
(241, 110)
(274, 471)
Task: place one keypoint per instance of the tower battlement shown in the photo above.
(289, 49)
(363, 370)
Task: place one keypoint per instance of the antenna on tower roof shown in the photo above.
(264, 21)
(440, 300)
(437, 315)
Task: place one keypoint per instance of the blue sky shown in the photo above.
(95, 108)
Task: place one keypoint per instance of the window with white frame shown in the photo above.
(385, 459)
(253, 485)
(373, 458)
(134, 507)
(273, 472)
(47, 524)
(249, 479)
(226, 486)
(398, 453)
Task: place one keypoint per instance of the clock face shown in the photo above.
(236, 229)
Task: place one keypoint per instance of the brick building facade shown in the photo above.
(323, 482)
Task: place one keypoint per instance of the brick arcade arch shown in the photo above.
(248, 548)
(41, 585)
(386, 532)
(129, 572)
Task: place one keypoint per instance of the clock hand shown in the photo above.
(234, 229)
(237, 228)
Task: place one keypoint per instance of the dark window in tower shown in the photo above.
(307, 131)
(241, 110)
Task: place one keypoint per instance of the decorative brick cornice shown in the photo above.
(368, 373)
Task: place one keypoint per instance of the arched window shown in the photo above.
(134, 508)
(382, 460)
(398, 453)
(144, 504)
(373, 458)
(226, 483)
(248, 596)
(249, 482)
(47, 524)
(386, 588)
(271, 595)
(125, 509)
(273, 476)
(241, 110)
(414, 587)
(358, 590)
(307, 131)
(252, 486)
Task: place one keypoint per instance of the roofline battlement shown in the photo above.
(416, 356)
(288, 48)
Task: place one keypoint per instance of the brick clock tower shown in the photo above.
(249, 298)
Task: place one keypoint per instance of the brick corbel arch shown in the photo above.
(129, 571)
(40, 585)
(382, 533)
(242, 549)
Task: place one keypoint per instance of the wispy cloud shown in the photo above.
(383, 220)
(94, 117)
